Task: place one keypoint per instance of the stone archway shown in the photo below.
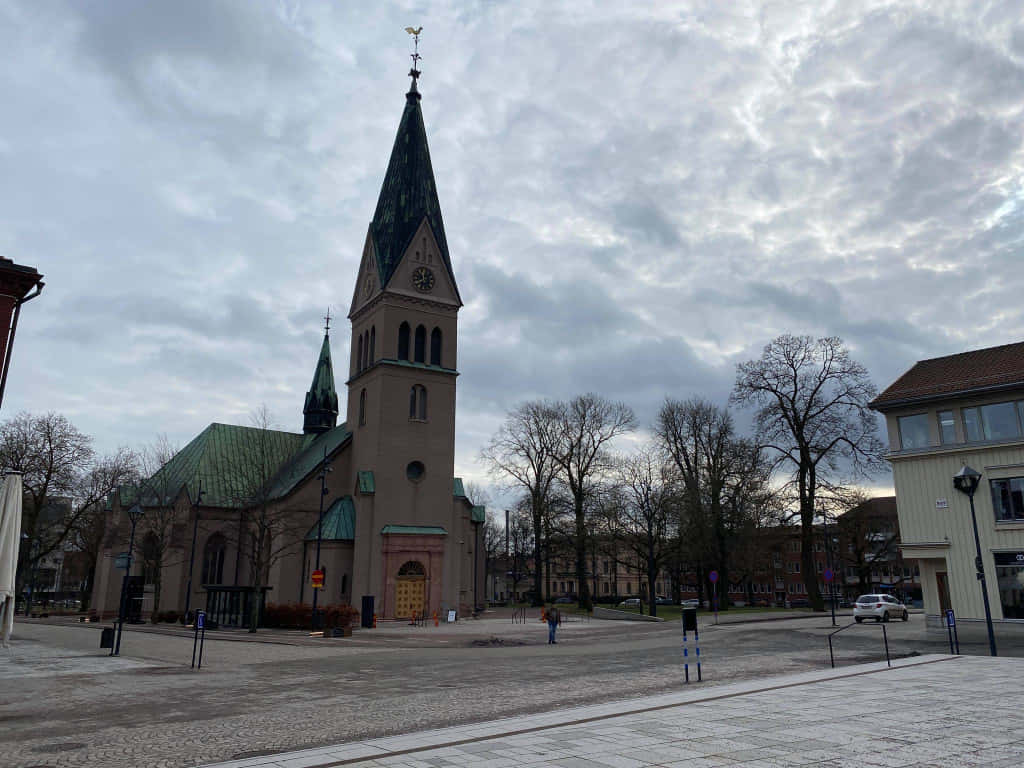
(410, 589)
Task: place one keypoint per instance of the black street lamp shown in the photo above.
(134, 515)
(192, 557)
(966, 481)
(319, 534)
(828, 561)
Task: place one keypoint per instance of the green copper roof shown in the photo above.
(458, 491)
(321, 409)
(307, 459)
(339, 522)
(367, 484)
(407, 195)
(478, 514)
(428, 530)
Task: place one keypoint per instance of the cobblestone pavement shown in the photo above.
(867, 715)
(66, 703)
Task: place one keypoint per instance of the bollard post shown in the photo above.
(686, 654)
(375, 621)
(201, 623)
(195, 642)
(956, 639)
(696, 644)
(949, 630)
(885, 637)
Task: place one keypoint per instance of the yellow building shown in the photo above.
(943, 414)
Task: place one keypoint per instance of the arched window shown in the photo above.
(213, 560)
(151, 558)
(421, 344)
(418, 403)
(435, 346)
(403, 341)
(412, 568)
(362, 408)
(359, 355)
(366, 348)
(373, 343)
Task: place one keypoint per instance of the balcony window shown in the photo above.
(1008, 499)
(914, 431)
(947, 427)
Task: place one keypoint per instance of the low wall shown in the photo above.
(609, 613)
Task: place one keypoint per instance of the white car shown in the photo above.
(691, 603)
(879, 608)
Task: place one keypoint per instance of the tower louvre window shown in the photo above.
(359, 354)
(435, 346)
(403, 341)
(373, 344)
(418, 403)
(362, 408)
(421, 344)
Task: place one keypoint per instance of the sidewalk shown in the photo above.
(924, 712)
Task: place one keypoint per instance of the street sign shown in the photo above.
(317, 579)
(121, 560)
(201, 620)
(713, 577)
(950, 618)
(829, 575)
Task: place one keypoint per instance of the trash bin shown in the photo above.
(366, 615)
(689, 619)
(107, 638)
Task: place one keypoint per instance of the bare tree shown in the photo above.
(158, 493)
(812, 414)
(521, 451)
(646, 514)
(582, 431)
(868, 538)
(266, 531)
(57, 461)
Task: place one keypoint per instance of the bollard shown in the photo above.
(375, 621)
(435, 618)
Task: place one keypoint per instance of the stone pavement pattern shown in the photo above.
(932, 712)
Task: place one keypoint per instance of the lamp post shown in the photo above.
(192, 557)
(134, 514)
(319, 533)
(966, 481)
(828, 560)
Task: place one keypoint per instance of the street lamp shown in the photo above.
(966, 481)
(828, 560)
(134, 515)
(319, 534)
(192, 557)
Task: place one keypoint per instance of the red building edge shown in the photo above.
(18, 285)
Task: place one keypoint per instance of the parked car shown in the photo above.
(564, 600)
(879, 608)
(663, 601)
(691, 603)
(630, 602)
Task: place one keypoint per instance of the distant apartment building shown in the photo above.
(942, 414)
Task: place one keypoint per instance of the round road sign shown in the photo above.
(713, 577)
(829, 575)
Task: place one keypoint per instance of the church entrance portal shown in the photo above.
(410, 590)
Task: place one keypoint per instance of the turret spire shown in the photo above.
(321, 410)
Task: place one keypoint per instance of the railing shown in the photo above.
(885, 639)
(519, 615)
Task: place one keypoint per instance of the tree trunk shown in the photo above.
(581, 556)
(538, 575)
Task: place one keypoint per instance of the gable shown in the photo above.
(367, 279)
(423, 253)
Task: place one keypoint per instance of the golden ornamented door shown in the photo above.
(409, 594)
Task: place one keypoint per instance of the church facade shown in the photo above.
(235, 515)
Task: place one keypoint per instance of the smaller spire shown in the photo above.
(321, 409)
(414, 73)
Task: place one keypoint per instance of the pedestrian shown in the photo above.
(554, 619)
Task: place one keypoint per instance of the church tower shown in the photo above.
(401, 390)
(320, 412)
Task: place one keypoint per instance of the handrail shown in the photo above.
(519, 615)
(885, 639)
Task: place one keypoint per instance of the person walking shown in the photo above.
(554, 619)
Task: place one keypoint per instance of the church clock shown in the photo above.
(423, 280)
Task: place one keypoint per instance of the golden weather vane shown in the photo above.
(414, 73)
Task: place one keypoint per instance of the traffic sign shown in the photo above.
(200, 619)
(122, 560)
(713, 577)
(317, 579)
(829, 574)
(950, 618)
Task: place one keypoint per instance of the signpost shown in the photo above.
(713, 578)
(316, 579)
(829, 576)
(951, 629)
(199, 639)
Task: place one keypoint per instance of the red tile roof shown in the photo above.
(968, 372)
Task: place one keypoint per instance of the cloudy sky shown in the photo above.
(637, 196)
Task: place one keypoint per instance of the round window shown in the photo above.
(415, 471)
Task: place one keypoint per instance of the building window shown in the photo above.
(435, 346)
(1010, 574)
(403, 341)
(914, 431)
(359, 355)
(373, 344)
(213, 560)
(947, 427)
(607, 587)
(418, 403)
(362, 408)
(998, 421)
(415, 470)
(1008, 498)
(421, 345)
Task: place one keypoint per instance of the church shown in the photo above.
(235, 515)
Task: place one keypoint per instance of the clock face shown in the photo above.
(423, 280)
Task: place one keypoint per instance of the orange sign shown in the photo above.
(317, 579)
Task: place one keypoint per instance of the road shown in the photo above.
(66, 703)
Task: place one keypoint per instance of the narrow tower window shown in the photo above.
(373, 344)
(362, 408)
(435, 346)
(422, 410)
(359, 355)
(403, 341)
(418, 403)
(366, 348)
(412, 403)
(421, 344)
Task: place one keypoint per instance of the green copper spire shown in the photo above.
(408, 194)
(321, 409)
